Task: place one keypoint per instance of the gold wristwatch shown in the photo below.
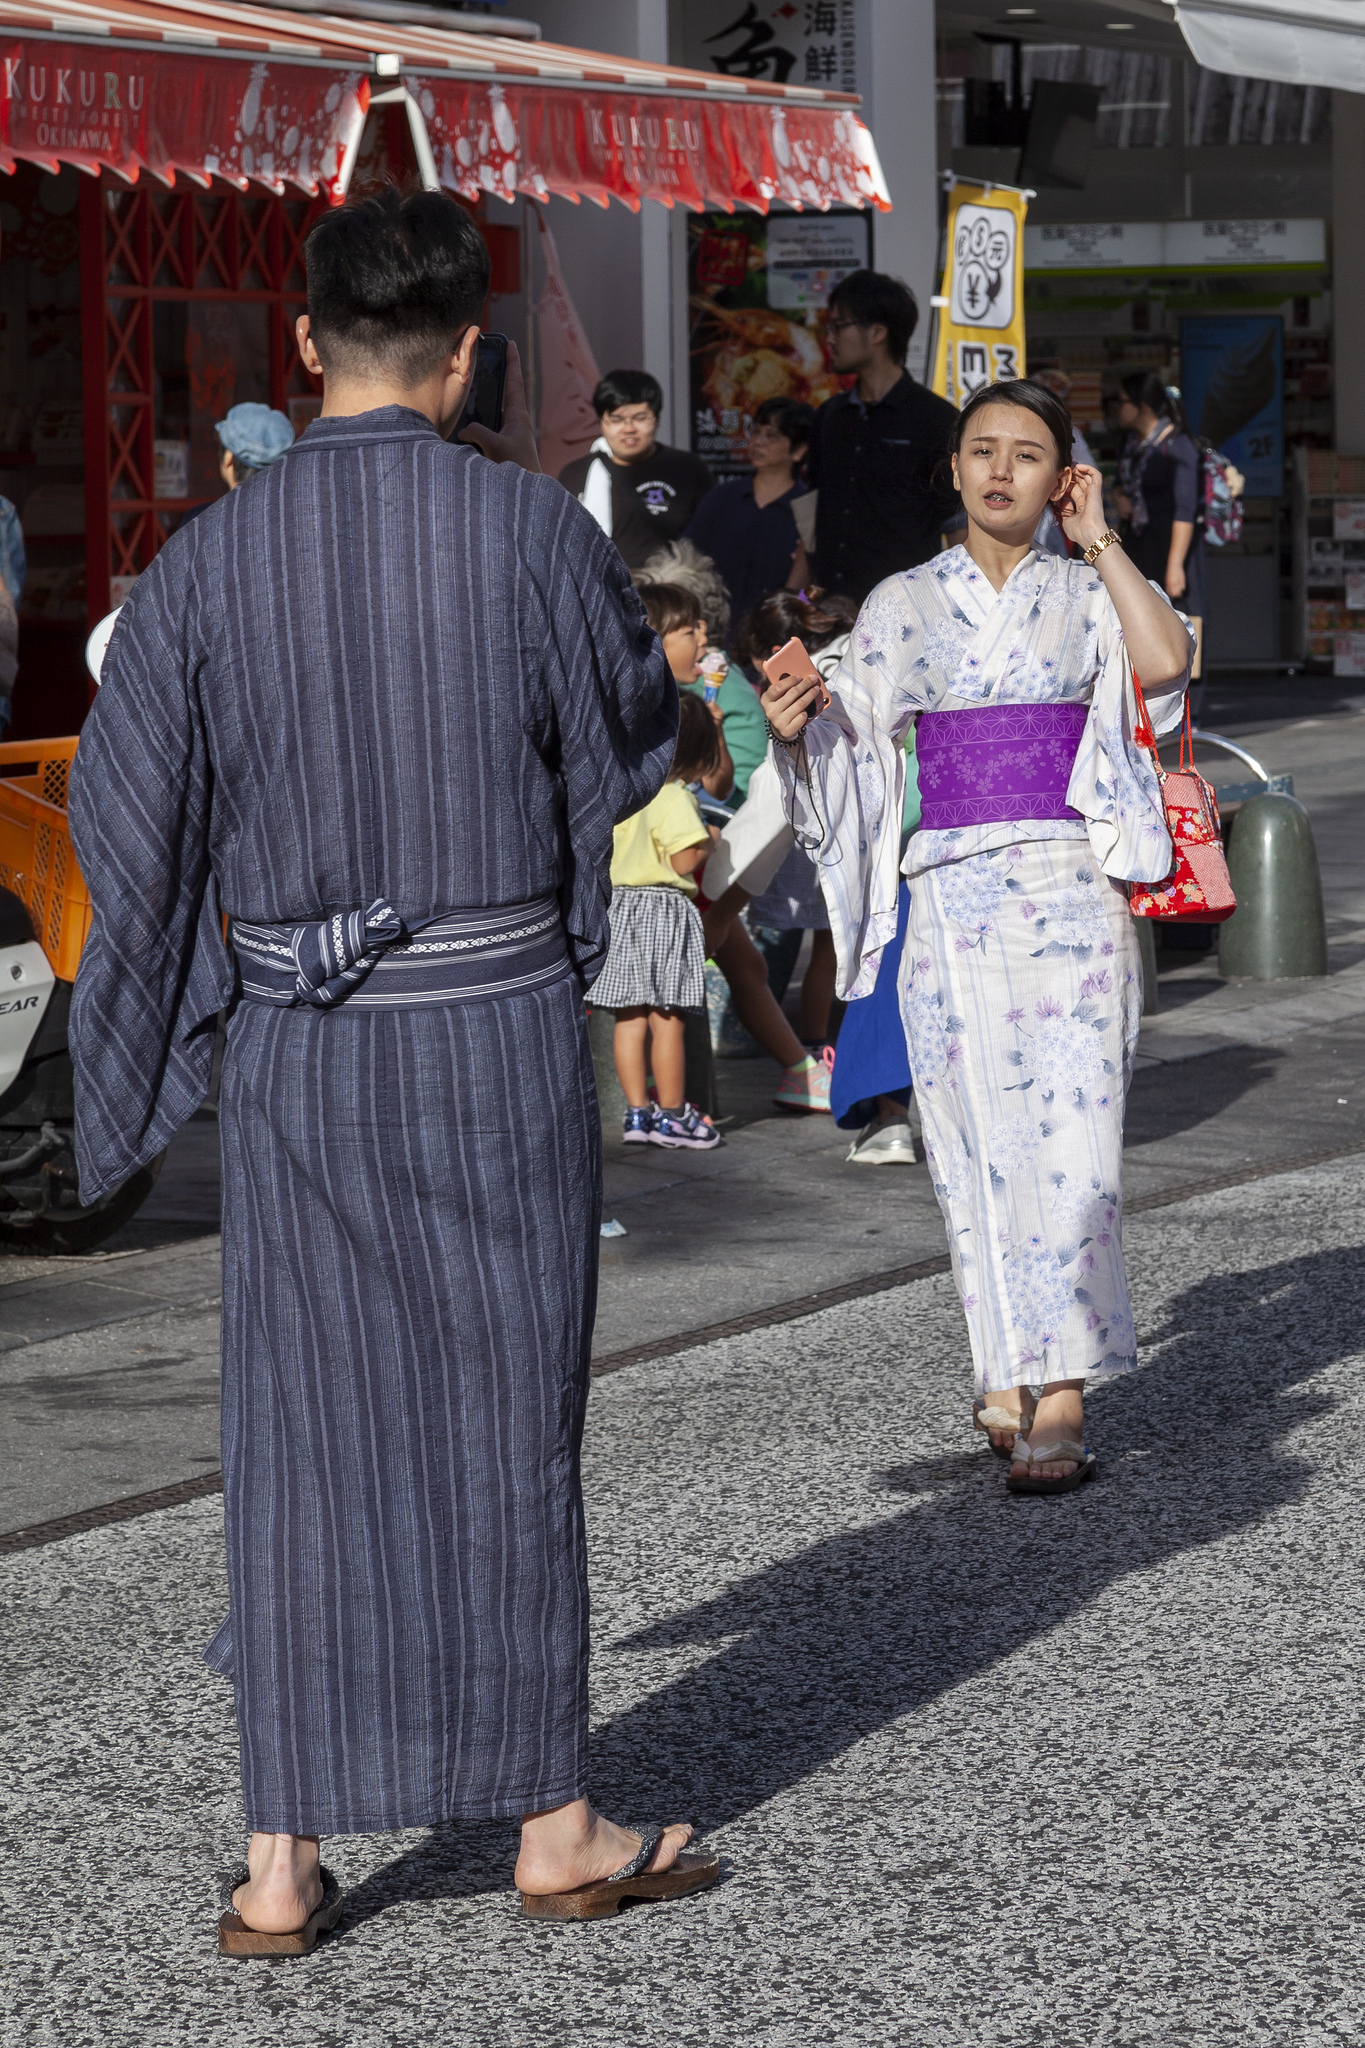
(1106, 540)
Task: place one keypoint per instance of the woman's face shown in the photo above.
(769, 449)
(683, 650)
(1128, 415)
(1008, 471)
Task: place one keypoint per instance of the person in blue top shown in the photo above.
(746, 524)
(252, 437)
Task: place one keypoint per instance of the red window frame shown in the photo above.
(139, 245)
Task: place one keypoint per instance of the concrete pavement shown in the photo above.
(980, 1770)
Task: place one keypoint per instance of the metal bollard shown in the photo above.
(611, 1101)
(701, 1063)
(1146, 938)
(1278, 931)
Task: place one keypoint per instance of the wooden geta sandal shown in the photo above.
(694, 1871)
(235, 1938)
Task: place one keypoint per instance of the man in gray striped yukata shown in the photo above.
(383, 706)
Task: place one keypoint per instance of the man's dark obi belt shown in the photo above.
(370, 960)
(997, 764)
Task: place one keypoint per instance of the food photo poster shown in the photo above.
(758, 295)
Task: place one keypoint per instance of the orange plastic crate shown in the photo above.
(37, 860)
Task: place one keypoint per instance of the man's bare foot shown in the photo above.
(573, 1845)
(285, 1887)
(1060, 1414)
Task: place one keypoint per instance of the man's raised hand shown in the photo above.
(517, 440)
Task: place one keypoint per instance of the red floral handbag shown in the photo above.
(1198, 886)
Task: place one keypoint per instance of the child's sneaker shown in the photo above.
(807, 1087)
(683, 1128)
(637, 1127)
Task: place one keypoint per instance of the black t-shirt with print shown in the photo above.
(652, 499)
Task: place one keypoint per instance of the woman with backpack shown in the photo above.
(1160, 496)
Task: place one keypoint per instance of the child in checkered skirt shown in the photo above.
(655, 969)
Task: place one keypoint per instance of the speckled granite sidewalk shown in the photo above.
(981, 1771)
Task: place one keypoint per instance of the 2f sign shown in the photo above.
(983, 267)
(980, 362)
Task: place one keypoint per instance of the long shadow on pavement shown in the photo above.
(868, 1626)
(1164, 1101)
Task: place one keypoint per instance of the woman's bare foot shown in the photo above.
(285, 1887)
(1014, 1401)
(573, 1845)
(1060, 1414)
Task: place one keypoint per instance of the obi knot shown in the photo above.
(335, 956)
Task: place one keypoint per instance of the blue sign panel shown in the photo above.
(1232, 380)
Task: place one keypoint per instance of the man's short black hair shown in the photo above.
(393, 281)
(870, 298)
(628, 387)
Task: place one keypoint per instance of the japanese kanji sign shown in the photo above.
(787, 42)
(981, 328)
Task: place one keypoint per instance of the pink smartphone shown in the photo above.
(791, 662)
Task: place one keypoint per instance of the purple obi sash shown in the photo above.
(997, 764)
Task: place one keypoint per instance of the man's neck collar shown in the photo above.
(883, 379)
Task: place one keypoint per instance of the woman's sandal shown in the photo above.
(987, 1418)
(693, 1872)
(1059, 1453)
(235, 1938)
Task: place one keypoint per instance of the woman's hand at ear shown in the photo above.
(1157, 642)
(1081, 507)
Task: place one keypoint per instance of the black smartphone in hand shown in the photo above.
(483, 407)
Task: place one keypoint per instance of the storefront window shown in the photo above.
(192, 302)
(1135, 89)
(41, 438)
(1140, 99)
(1234, 112)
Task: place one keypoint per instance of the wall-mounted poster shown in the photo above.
(1232, 382)
(758, 293)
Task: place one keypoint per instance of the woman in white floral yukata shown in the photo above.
(1020, 984)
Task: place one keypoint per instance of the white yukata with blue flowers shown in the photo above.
(1020, 987)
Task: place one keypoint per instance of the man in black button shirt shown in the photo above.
(640, 491)
(879, 458)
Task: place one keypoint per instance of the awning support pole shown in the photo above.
(390, 94)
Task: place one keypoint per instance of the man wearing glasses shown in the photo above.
(879, 454)
(641, 492)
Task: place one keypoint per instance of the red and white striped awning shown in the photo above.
(277, 99)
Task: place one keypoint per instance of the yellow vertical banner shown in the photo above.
(980, 336)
